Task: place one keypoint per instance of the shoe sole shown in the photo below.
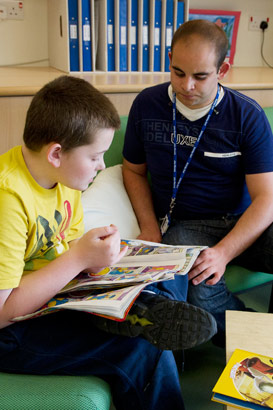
(176, 325)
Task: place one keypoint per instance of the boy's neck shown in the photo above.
(39, 168)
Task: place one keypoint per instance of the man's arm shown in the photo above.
(98, 248)
(253, 222)
(138, 189)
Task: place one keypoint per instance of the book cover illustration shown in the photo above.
(246, 382)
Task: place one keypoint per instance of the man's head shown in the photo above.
(197, 63)
(208, 32)
(68, 111)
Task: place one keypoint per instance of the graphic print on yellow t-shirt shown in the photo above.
(50, 239)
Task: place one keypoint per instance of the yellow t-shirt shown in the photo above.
(36, 224)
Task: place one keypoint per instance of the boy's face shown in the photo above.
(194, 75)
(80, 165)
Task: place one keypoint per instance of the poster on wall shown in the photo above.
(227, 20)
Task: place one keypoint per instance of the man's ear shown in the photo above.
(170, 58)
(54, 154)
(223, 70)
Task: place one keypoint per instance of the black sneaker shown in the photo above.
(167, 324)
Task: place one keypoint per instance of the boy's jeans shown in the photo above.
(141, 376)
(217, 299)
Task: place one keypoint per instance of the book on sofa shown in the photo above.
(246, 382)
(112, 291)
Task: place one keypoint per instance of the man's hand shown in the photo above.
(211, 264)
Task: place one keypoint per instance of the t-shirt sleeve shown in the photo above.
(13, 239)
(258, 144)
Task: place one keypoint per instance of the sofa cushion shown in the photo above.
(106, 202)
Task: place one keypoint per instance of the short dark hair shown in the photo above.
(69, 111)
(209, 31)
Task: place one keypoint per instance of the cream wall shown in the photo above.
(22, 41)
(25, 40)
(248, 50)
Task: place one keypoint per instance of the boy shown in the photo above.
(69, 126)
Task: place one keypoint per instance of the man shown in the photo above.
(209, 153)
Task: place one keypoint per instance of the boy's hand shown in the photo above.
(100, 247)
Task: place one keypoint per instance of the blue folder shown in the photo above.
(157, 35)
(145, 36)
(111, 35)
(73, 35)
(86, 36)
(168, 32)
(134, 35)
(123, 24)
(180, 13)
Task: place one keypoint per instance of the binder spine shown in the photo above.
(110, 36)
(157, 35)
(180, 10)
(123, 21)
(134, 35)
(168, 32)
(145, 36)
(86, 36)
(73, 35)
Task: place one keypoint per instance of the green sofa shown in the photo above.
(22, 392)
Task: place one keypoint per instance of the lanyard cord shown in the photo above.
(177, 184)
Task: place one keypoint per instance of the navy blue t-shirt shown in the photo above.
(237, 141)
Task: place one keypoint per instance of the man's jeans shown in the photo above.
(217, 299)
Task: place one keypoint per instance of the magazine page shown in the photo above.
(113, 303)
(155, 252)
(120, 276)
(191, 256)
(135, 271)
(246, 382)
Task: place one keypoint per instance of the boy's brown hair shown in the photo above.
(208, 31)
(69, 111)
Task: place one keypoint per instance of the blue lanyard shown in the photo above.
(176, 185)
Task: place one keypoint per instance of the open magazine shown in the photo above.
(112, 291)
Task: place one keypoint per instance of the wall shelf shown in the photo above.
(27, 81)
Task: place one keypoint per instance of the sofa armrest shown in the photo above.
(114, 155)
